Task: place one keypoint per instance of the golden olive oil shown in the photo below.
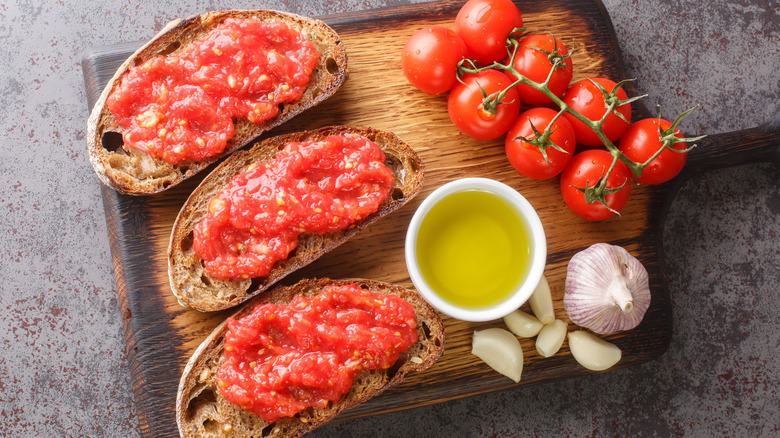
(474, 249)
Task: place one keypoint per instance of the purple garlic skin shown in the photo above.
(607, 289)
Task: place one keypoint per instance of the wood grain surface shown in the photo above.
(161, 335)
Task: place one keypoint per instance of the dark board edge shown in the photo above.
(120, 213)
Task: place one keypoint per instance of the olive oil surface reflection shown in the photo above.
(474, 249)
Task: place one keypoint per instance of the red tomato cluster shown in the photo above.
(431, 56)
(486, 105)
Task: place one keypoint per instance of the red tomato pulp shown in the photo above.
(281, 359)
(311, 187)
(181, 106)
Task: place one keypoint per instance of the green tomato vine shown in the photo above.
(598, 191)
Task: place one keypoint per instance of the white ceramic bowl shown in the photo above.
(538, 248)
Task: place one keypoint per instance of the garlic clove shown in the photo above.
(551, 338)
(607, 289)
(541, 302)
(501, 350)
(522, 324)
(593, 352)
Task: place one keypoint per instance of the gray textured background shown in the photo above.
(63, 370)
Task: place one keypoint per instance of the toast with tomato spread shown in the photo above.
(202, 411)
(194, 286)
(136, 171)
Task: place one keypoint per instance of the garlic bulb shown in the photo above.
(607, 289)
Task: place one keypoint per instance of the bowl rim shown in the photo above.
(522, 206)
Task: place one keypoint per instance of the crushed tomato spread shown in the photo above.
(279, 360)
(310, 187)
(181, 106)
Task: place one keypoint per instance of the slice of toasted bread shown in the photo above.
(194, 287)
(132, 171)
(202, 412)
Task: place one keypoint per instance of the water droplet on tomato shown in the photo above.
(484, 14)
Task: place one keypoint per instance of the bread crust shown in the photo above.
(135, 172)
(202, 412)
(194, 287)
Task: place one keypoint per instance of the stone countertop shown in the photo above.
(63, 370)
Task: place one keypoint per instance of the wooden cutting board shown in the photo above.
(161, 335)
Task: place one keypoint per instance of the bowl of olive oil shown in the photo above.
(475, 249)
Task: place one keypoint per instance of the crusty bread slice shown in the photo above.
(135, 172)
(195, 287)
(202, 412)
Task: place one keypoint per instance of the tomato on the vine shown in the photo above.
(527, 158)
(643, 139)
(586, 98)
(584, 171)
(465, 105)
(430, 59)
(485, 25)
(533, 60)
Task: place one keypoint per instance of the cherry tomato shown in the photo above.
(526, 157)
(585, 98)
(485, 25)
(585, 170)
(532, 62)
(642, 140)
(465, 105)
(430, 59)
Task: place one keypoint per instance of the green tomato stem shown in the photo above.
(598, 191)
